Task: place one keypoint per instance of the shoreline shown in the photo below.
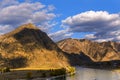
(34, 73)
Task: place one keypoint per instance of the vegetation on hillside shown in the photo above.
(29, 73)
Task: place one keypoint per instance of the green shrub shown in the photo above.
(5, 69)
(57, 72)
(71, 70)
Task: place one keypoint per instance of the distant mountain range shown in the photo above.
(97, 52)
(28, 46)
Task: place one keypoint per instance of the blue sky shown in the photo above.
(69, 18)
(73, 7)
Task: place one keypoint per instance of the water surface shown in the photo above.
(94, 74)
(89, 74)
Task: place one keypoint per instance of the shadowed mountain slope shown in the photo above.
(28, 46)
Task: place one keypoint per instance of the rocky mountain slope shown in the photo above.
(97, 52)
(28, 46)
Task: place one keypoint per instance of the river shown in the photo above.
(89, 74)
(94, 74)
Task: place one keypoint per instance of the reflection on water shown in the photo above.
(60, 78)
(89, 74)
(94, 74)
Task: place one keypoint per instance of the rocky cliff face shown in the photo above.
(105, 51)
(28, 46)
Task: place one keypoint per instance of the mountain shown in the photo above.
(28, 46)
(97, 52)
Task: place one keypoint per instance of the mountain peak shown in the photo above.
(29, 26)
(27, 46)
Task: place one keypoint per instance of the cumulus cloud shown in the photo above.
(4, 3)
(59, 35)
(51, 7)
(5, 29)
(104, 25)
(14, 13)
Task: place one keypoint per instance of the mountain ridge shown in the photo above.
(104, 51)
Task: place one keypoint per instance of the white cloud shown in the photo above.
(104, 25)
(14, 13)
(51, 7)
(47, 26)
(4, 3)
(59, 35)
(90, 36)
(5, 29)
